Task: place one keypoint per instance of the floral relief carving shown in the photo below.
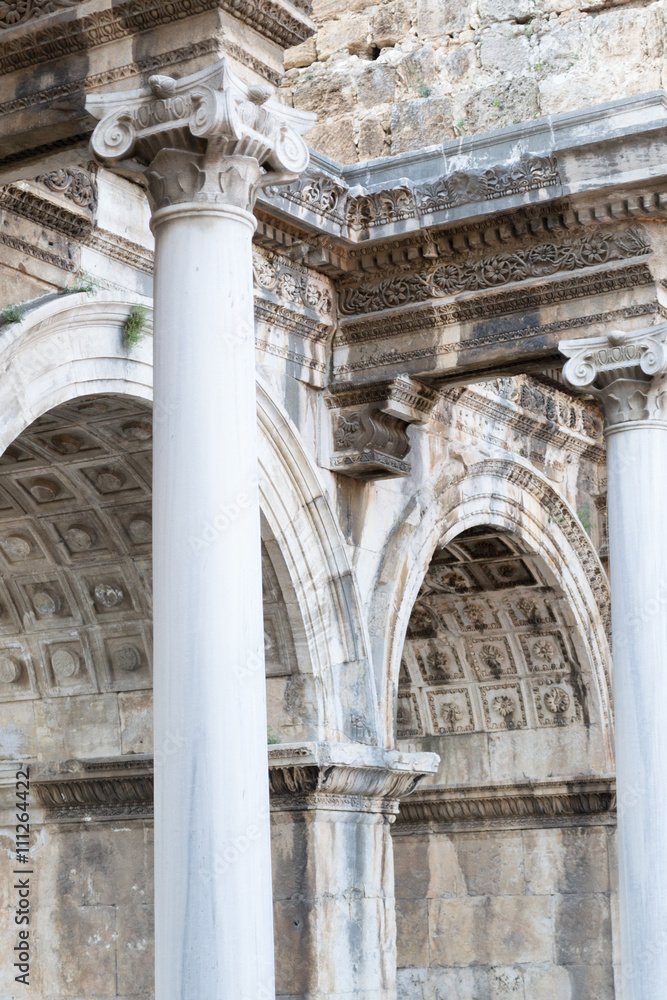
(291, 285)
(446, 279)
(13, 12)
(347, 431)
(556, 702)
(75, 185)
(450, 711)
(328, 196)
(460, 188)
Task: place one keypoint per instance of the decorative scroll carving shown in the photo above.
(319, 193)
(625, 371)
(206, 138)
(598, 247)
(510, 803)
(369, 426)
(270, 19)
(75, 185)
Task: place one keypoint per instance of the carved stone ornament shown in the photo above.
(208, 138)
(626, 372)
(369, 426)
(514, 805)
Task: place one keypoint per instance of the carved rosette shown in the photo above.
(208, 138)
(626, 372)
(369, 426)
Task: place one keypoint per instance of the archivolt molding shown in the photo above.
(70, 346)
(507, 494)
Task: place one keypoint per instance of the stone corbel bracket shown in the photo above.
(620, 370)
(345, 777)
(367, 437)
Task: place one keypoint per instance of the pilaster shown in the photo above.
(332, 806)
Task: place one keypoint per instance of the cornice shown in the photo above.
(527, 802)
(106, 788)
(301, 776)
(44, 34)
(343, 777)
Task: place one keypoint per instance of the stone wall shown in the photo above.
(402, 74)
(505, 914)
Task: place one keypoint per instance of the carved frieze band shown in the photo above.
(595, 248)
(540, 800)
(519, 300)
(330, 198)
(110, 788)
(94, 27)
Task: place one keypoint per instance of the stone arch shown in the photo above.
(511, 496)
(71, 346)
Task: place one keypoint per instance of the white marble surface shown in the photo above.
(214, 933)
(637, 483)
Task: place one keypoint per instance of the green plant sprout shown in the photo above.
(82, 283)
(134, 326)
(12, 313)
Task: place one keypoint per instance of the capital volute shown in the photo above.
(207, 137)
(625, 371)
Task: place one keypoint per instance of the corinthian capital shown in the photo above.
(627, 372)
(205, 138)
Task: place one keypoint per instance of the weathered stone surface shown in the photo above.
(420, 122)
(136, 721)
(348, 33)
(390, 23)
(531, 58)
(441, 17)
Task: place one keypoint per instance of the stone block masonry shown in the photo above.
(388, 77)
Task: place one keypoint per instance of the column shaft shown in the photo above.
(213, 921)
(637, 488)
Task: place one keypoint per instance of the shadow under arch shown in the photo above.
(511, 496)
(70, 346)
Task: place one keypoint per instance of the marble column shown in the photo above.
(626, 372)
(205, 144)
